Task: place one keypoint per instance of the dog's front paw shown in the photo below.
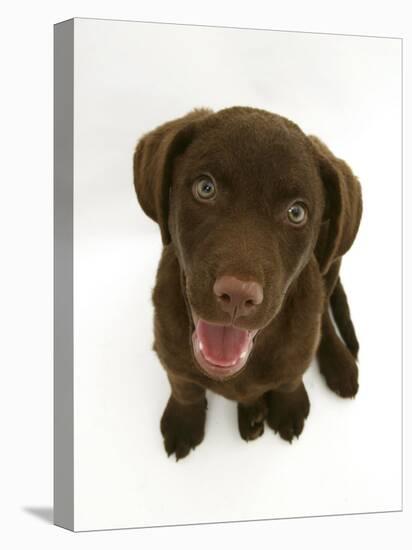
(183, 427)
(287, 412)
(251, 420)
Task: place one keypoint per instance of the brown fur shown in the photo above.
(261, 162)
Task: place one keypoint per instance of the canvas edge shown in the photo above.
(63, 449)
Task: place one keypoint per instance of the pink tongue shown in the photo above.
(222, 345)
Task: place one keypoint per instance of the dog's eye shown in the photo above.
(297, 213)
(204, 188)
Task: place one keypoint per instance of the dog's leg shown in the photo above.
(183, 421)
(341, 314)
(288, 408)
(336, 297)
(336, 361)
(251, 418)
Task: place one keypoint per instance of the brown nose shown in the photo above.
(239, 298)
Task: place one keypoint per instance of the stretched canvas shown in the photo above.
(114, 82)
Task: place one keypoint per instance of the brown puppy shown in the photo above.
(255, 217)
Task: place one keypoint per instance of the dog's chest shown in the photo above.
(281, 354)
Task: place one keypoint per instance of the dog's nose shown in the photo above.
(239, 298)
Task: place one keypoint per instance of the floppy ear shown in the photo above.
(343, 206)
(153, 165)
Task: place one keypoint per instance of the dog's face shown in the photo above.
(245, 208)
(244, 203)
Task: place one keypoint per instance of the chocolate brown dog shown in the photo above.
(255, 217)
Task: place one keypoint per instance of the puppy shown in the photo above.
(255, 217)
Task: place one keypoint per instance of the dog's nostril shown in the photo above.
(236, 296)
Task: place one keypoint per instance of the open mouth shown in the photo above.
(221, 350)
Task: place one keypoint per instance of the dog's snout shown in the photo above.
(236, 297)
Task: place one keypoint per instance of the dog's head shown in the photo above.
(244, 196)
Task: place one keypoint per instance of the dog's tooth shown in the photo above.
(243, 355)
(200, 346)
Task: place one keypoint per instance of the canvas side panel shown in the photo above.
(63, 275)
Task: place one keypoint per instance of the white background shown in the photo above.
(130, 77)
(26, 284)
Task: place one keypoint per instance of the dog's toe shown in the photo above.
(342, 381)
(288, 412)
(288, 428)
(182, 450)
(254, 431)
(251, 420)
(182, 429)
